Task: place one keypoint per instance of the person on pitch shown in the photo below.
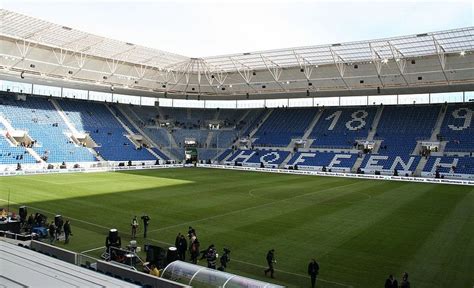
(145, 219)
(134, 227)
(270, 261)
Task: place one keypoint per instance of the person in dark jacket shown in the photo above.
(194, 251)
(270, 261)
(145, 219)
(211, 257)
(52, 232)
(182, 246)
(405, 283)
(391, 282)
(67, 231)
(313, 271)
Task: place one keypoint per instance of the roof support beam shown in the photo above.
(340, 65)
(141, 70)
(377, 60)
(400, 60)
(245, 72)
(305, 64)
(113, 65)
(441, 57)
(274, 69)
(60, 56)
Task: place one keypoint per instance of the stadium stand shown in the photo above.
(340, 127)
(450, 165)
(401, 126)
(282, 125)
(269, 158)
(333, 138)
(44, 126)
(104, 128)
(319, 160)
(457, 128)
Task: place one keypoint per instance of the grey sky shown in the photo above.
(199, 29)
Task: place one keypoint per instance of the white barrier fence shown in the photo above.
(339, 174)
(87, 170)
(241, 168)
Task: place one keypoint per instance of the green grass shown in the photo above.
(359, 230)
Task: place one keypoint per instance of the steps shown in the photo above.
(269, 112)
(439, 122)
(35, 155)
(312, 124)
(357, 164)
(377, 117)
(420, 166)
(285, 162)
(129, 131)
(9, 127)
(210, 135)
(69, 125)
(7, 124)
(148, 139)
(216, 116)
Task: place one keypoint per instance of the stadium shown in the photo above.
(357, 154)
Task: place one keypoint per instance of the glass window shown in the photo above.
(446, 97)
(223, 104)
(74, 93)
(188, 103)
(100, 96)
(18, 87)
(469, 96)
(126, 99)
(413, 99)
(243, 104)
(147, 101)
(354, 101)
(46, 90)
(383, 99)
(326, 101)
(274, 103)
(300, 102)
(165, 102)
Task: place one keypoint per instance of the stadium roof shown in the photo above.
(44, 49)
(42, 32)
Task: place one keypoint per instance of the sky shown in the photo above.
(208, 28)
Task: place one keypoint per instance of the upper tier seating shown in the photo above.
(282, 125)
(340, 127)
(43, 123)
(106, 131)
(458, 128)
(401, 126)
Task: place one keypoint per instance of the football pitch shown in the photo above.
(360, 231)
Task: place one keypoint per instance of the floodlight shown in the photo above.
(462, 53)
